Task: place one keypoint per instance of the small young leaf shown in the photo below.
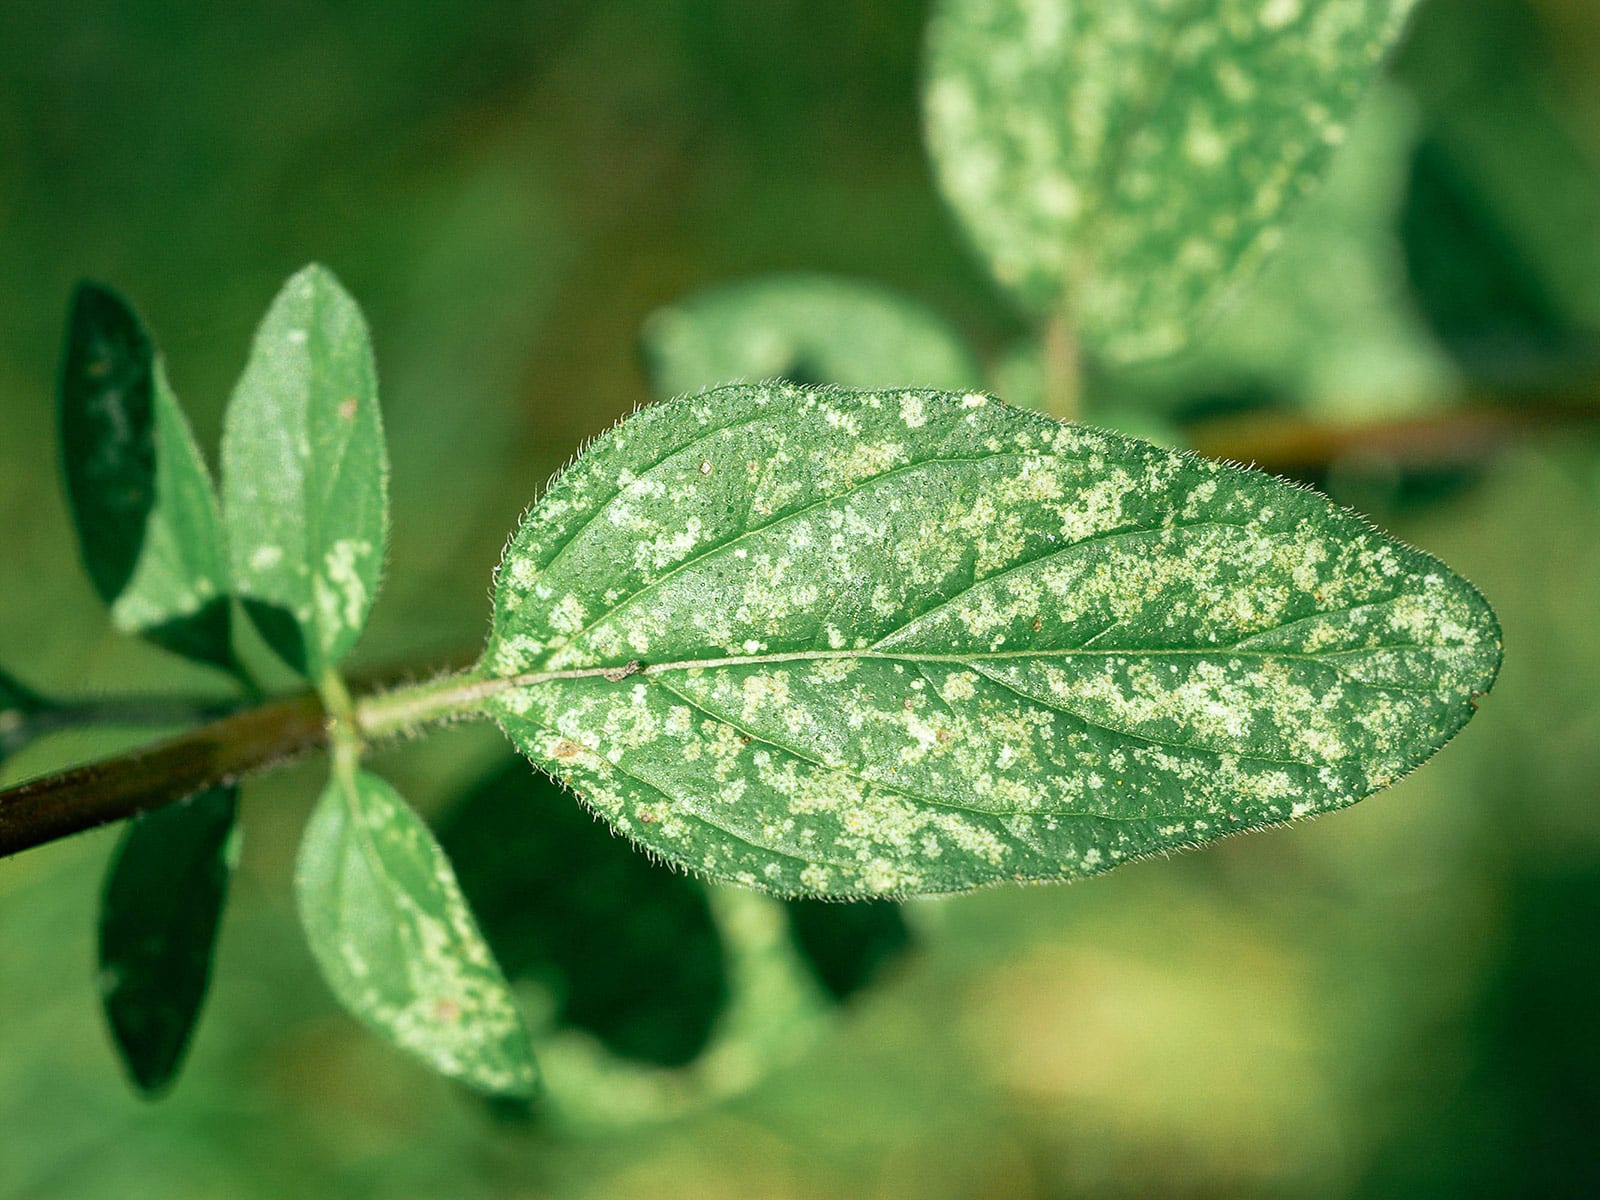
(848, 945)
(392, 933)
(163, 899)
(140, 494)
(305, 475)
(858, 643)
(806, 329)
(1126, 162)
(549, 883)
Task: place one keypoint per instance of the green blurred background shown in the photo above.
(1401, 999)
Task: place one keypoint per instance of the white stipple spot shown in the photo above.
(264, 558)
(1008, 650)
(339, 589)
(911, 411)
(1276, 14)
(296, 337)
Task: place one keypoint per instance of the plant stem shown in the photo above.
(237, 746)
(125, 785)
(21, 728)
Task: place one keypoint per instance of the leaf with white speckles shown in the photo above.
(806, 329)
(851, 643)
(305, 475)
(1126, 162)
(141, 497)
(396, 942)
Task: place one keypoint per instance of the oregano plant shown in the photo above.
(828, 642)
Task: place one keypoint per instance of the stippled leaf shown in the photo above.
(549, 884)
(1124, 163)
(806, 329)
(305, 475)
(140, 494)
(159, 914)
(855, 643)
(392, 933)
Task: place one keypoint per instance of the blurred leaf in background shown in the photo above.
(1501, 222)
(621, 947)
(807, 330)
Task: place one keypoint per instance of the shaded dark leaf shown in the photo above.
(1479, 291)
(107, 451)
(141, 498)
(848, 945)
(163, 901)
(628, 947)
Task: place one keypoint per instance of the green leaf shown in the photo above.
(305, 475)
(140, 494)
(159, 914)
(807, 329)
(392, 933)
(857, 643)
(1126, 163)
(548, 884)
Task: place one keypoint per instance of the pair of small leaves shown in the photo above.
(299, 537)
(1127, 163)
(851, 644)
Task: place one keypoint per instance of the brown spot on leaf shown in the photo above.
(566, 749)
(347, 409)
